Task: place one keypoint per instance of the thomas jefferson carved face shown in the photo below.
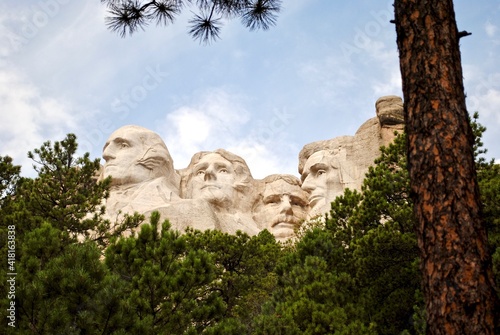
(321, 178)
(134, 154)
(284, 207)
(213, 179)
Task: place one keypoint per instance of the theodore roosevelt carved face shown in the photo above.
(282, 205)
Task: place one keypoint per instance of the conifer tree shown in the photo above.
(488, 173)
(9, 176)
(166, 284)
(245, 274)
(358, 275)
(65, 190)
(444, 186)
(65, 289)
(62, 287)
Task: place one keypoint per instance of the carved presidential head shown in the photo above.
(134, 154)
(220, 177)
(321, 175)
(282, 205)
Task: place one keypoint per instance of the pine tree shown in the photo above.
(9, 176)
(488, 174)
(245, 274)
(458, 282)
(166, 283)
(66, 190)
(62, 286)
(358, 275)
(452, 236)
(65, 289)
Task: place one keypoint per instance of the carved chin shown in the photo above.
(284, 230)
(215, 197)
(284, 226)
(316, 200)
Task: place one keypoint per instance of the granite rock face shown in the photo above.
(217, 190)
(328, 167)
(390, 110)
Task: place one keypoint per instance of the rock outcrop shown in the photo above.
(217, 190)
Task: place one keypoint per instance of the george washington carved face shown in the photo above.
(134, 154)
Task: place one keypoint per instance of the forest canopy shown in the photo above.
(355, 273)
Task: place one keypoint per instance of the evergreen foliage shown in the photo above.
(166, 283)
(9, 176)
(245, 274)
(488, 176)
(129, 16)
(357, 273)
(59, 234)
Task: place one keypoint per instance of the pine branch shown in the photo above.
(262, 14)
(205, 28)
(127, 16)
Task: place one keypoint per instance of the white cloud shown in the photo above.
(263, 160)
(9, 40)
(485, 98)
(389, 85)
(327, 77)
(483, 92)
(28, 118)
(487, 104)
(219, 120)
(490, 29)
(192, 125)
(214, 121)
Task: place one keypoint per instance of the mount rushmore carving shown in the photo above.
(217, 191)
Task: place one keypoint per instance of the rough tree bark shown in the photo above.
(458, 282)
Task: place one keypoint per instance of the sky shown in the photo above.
(262, 95)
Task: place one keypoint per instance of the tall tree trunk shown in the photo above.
(456, 266)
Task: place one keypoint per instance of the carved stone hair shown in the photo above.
(332, 147)
(155, 155)
(290, 179)
(244, 177)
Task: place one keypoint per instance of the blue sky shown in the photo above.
(262, 95)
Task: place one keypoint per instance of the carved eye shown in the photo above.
(124, 145)
(200, 172)
(272, 200)
(298, 202)
(223, 170)
(320, 172)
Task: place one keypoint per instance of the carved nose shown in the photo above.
(286, 206)
(107, 154)
(307, 185)
(209, 175)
